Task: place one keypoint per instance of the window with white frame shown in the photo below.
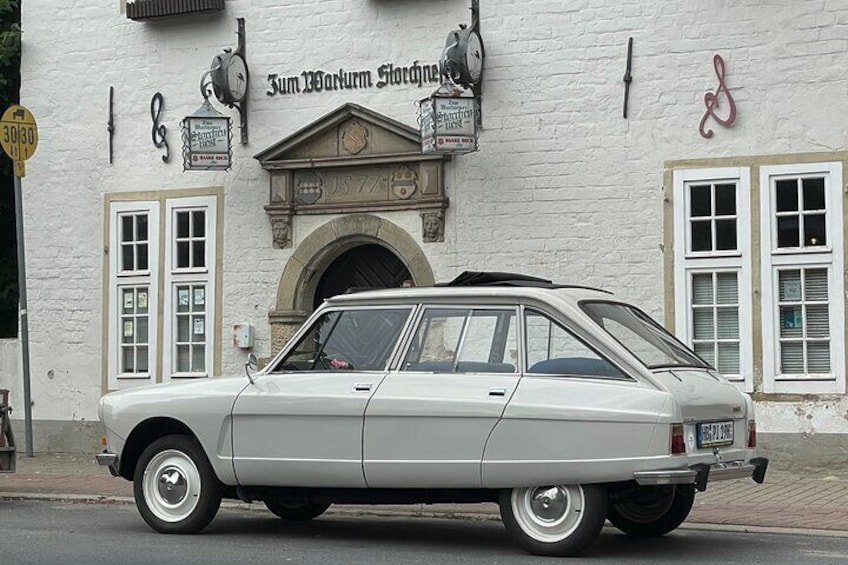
(190, 279)
(803, 299)
(133, 290)
(711, 266)
(186, 300)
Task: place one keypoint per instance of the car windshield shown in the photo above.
(641, 335)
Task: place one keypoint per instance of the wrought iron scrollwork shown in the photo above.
(159, 131)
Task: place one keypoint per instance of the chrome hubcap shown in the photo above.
(171, 485)
(548, 514)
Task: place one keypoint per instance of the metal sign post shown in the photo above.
(19, 138)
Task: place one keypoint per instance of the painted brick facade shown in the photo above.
(562, 186)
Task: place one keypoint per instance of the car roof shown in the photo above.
(472, 284)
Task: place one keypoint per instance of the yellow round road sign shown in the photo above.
(18, 133)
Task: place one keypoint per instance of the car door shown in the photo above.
(301, 423)
(428, 422)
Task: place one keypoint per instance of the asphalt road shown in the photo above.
(36, 532)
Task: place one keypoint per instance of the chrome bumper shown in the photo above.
(110, 460)
(701, 474)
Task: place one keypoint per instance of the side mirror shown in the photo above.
(251, 366)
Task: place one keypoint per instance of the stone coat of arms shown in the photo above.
(354, 138)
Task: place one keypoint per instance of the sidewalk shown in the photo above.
(783, 501)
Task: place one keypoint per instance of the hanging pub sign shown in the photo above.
(448, 121)
(207, 140)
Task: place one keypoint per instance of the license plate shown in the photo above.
(714, 434)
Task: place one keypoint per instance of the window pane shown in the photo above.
(127, 330)
(142, 303)
(728, 358)
(725, 195)
(725, 235)
(706, 351)
(182, 224)
(791, 322)
(813, 194)
(141, 359)
(183, 359)
(787, 231)
(702, 323)
(702, 288)
(485, 346)
(198, 254)
(727, 323)
(182, 255)
(818, 324)
(702, 236)
(127, 256)
(127, 300)
(141, 329)
(818, 357)
(198, 221)
(787, 195)
(127, 360)
(183, 299)
(553, 350)
(198, 329)
(789, 286)
(141, 227)
(183, 329)
(814, 230)
(815, 284)
(198, 358)
(142, 257)
(127, 228)
(792, 358)
(701, 204)
(727, 288)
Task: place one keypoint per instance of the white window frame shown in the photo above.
(119, 280)
(829, 256)
(177, 277)
(687, 263)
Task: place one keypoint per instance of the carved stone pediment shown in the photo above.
(352, 160)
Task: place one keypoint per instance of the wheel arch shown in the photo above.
(146, 433)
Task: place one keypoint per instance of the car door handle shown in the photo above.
(497, 391)
(361, 387)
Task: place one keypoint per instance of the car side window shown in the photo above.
(553, 350)
(464, 341)
(348, 340)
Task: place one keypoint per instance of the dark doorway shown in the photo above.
(365, 266)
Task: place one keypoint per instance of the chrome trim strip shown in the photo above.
(106, 459)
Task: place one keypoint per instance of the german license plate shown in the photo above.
(714, 434)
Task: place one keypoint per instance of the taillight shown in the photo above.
(752, 433)
(678, 446)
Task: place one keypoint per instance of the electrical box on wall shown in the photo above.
(243, 336)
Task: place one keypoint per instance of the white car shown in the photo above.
(563, 404)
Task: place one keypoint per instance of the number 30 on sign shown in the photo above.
(18, 136)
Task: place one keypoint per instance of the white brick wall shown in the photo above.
(562, 186)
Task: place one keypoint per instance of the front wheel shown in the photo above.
(176, 490)
(653, 511)
(557, 520)
(296, 512)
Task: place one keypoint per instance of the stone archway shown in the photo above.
(303, 270)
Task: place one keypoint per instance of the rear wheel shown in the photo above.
(557, 520)
(176, 490)
(652, 511)
(296, 512)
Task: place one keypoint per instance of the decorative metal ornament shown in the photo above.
(159, 131)
(110, 125)
(462, 58)
(711, 101)
(627, 77)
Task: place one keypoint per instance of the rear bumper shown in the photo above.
(700, 475)
(110, 460)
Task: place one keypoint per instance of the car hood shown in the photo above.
(701, 395)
